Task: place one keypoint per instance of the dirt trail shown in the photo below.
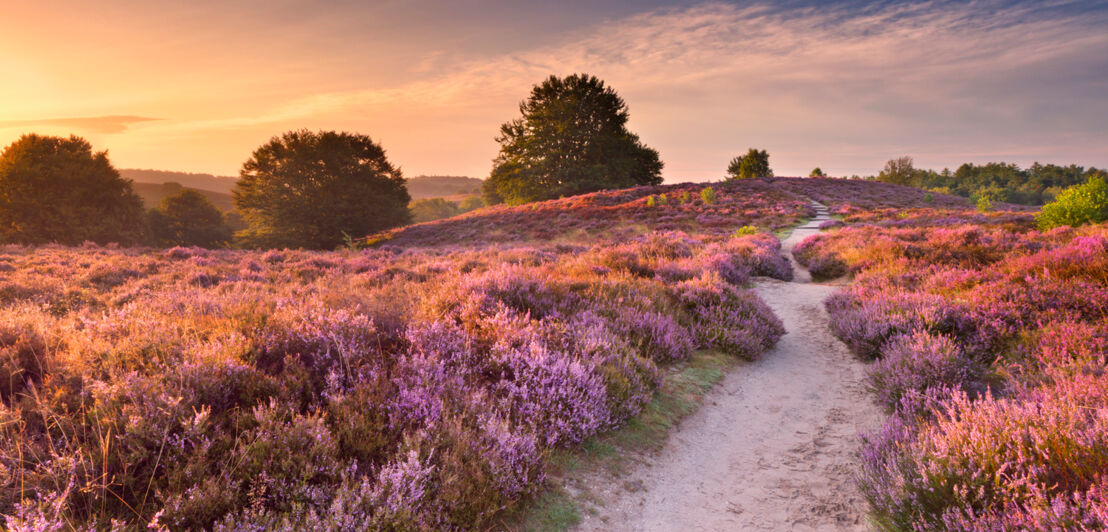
(773, 447)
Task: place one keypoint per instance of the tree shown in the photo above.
(54, 189)
(899, 171)
(187, 218)
(754, 164)
(571, 139)
(817, 172)
(308, 190)
(471, 203)
(426, 210)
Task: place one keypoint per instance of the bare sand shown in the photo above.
(773, 447)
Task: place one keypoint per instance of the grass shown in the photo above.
(557, 507)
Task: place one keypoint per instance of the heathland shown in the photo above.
(424, 377)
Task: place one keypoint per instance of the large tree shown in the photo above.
(55, 189)
(754, 164)
(310, 190)
(571, 139)
(187, 218)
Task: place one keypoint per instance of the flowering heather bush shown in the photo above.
(729, 319)
(920, 362)
(991, 350)
(992, 464)
(386, 388)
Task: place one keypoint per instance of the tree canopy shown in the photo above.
(899, 171)
(754, 164)
(55, 189)
(817, 172)
(310, 190)
(187, 218)
(572, 138)
(996, 181)
(426, 210)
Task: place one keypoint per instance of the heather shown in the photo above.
(383, 388)
(990, 350)
(615, 215)
(851, 195)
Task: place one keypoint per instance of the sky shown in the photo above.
(197, 86)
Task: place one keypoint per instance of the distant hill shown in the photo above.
(441, 186)
(420, 187)
(152, 194)
(210, 182)
(621, 215)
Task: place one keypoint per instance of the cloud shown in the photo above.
(815, 85)
(94, 124)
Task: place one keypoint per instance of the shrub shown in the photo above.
(1077, 205)
(984, 204)
(989, 461)
(826, 267)
(708, 195)
(918, 363)
(729, 319)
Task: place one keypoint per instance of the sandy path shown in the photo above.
(773, 447)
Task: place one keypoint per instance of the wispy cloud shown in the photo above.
(705, 81)
(93, 124)
(843, 85)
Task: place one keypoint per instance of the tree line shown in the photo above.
(318, 190)
(1036, 185)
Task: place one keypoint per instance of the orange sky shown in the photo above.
(197, 86)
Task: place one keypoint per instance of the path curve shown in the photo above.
(773, 447)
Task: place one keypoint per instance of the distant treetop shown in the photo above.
(187, 218)
(996, 181)
(437, 186)
(187, 179)
(899, 171)
(754, 164)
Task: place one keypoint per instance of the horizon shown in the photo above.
(844, 87)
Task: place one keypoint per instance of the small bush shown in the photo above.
(708, 195)
(918, 363)
(1077, 205)
(826, 267)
